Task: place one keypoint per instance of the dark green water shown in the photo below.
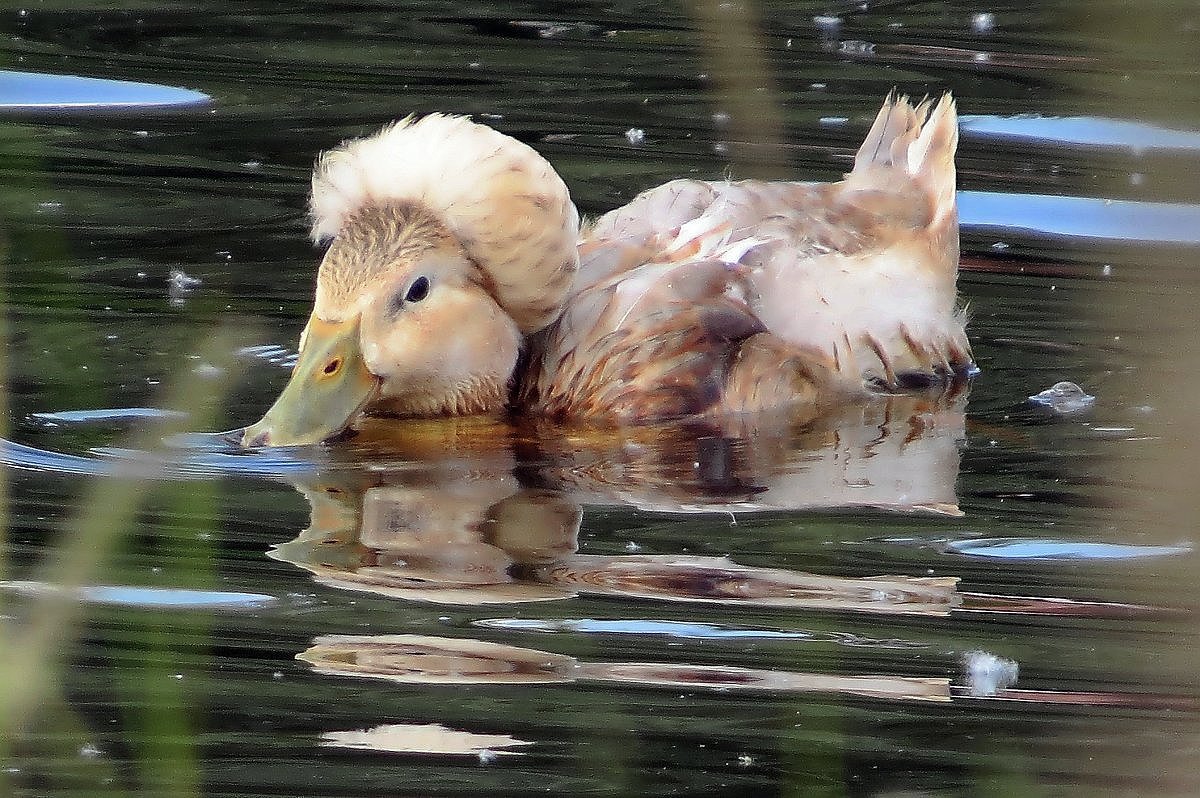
(183, 677)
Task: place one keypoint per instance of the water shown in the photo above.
(461, 610)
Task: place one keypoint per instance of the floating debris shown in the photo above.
(987, 675)
(1064, 398)
(546, 29)
(635, 136)
(427, 738)
(856, 47)
(179, 285)
(827, 23)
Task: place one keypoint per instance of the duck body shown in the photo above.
(474, 291)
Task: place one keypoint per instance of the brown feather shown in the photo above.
(700, 296)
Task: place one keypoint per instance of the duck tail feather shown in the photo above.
(895, 127)
(919, 139)
(931, 156)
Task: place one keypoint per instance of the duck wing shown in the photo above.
(744, 295)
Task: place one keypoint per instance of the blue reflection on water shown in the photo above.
(151, 597)
(1075, 131)
(29, 91)
(1019, 549)
(1047, 216)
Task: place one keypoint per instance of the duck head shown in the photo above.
(449, 242)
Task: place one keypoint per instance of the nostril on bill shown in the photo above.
(258, 439)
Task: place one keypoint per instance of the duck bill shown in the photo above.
(330, 385)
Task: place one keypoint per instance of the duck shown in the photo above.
(458, 280)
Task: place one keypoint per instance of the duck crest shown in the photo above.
(371, 241)
(500, 199)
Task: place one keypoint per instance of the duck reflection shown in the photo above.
(469, 512)
(424, 660)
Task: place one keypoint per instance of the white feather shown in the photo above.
(502, 200)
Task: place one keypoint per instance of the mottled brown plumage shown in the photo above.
(738, 296)
(456, 249)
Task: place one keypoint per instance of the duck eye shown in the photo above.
(333, 366)
(418, 290)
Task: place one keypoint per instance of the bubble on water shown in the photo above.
(635, 136)
(207, 371)
(984, 22)
(856, 47)
(179, 285)
(987, 674)
(548, 30)
(827, 23)
(1064, 398)
(90, 751)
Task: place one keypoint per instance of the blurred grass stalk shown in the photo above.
(744, 86)
(1151, 75)
(31, 655)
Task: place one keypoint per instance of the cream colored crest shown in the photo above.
(501, 200)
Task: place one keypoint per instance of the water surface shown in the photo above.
(453, 609)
